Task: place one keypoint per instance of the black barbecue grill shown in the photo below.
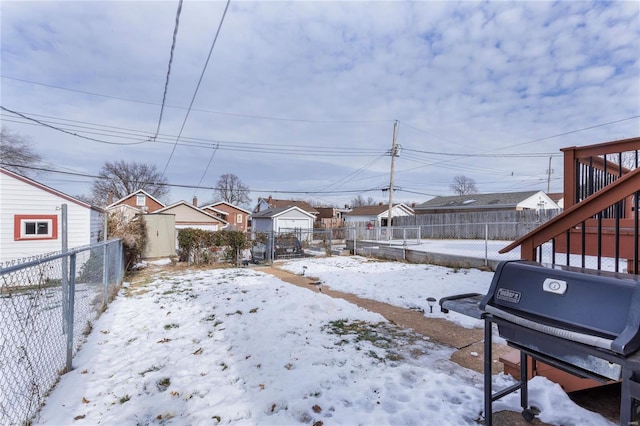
(581, 321)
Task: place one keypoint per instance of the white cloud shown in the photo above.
(475, 76)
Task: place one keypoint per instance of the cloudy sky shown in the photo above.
(299, 99)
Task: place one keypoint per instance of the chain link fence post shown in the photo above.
(105, 276)
(69, 319)
(486, 244)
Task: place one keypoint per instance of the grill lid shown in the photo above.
(597, 308)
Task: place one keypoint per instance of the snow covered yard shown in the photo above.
(235, 346)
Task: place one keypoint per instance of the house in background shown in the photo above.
(139, 200)
(125, 211)
(330, 217)
(507, 201)
(237, 217)
(163, 222)
(376, 215)
(272, 203)
(558, 198)
(31, 219)
(189, 216)
(284, 219)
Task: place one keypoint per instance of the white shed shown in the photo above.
(283, 219)
(31, 219)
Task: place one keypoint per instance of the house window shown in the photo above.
(141, 200)
(35, 227)
(239, 218)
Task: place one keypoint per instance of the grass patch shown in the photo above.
(163, 384)
(150, 370)
(388, 341)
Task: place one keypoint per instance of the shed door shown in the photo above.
(161, 236)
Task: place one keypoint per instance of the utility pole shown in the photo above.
(394, 154)
(549, 177)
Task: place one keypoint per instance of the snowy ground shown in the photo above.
(235, 346)
(490, 250)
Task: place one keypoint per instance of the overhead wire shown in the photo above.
(206, 169)
(354, 173)
(480, 155)
(166, 83)
(125, 133)
(195, 93)
(275, 191)
(68, 132)
(230, 114)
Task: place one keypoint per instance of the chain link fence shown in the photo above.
(396, 235)
(47, 306)
(296, 242)
(457, 245)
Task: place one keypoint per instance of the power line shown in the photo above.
(124, 133)
(70, 133)
(173, 185)
(459, 156)
(206, 169)
(569, 132)
(166, 83)
(353, 174)
(530, 141)
(532, 154)
(230, 114)
(195, 93)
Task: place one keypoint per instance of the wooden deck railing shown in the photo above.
(601, 193)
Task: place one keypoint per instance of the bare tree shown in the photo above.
(122, 178)
(17, 154)
(229, 188)
(463, 185)
(360, 201)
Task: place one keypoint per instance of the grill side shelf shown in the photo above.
(465, 304)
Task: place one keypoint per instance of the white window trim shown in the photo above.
(23, 229)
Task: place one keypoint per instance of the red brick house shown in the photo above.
(236, 217)
(139, 200)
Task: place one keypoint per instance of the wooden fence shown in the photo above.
(493, 225)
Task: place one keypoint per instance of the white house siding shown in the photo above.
(22, 198)
(97, 226)
(293, 219)
(375, 220)
(539, 201)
